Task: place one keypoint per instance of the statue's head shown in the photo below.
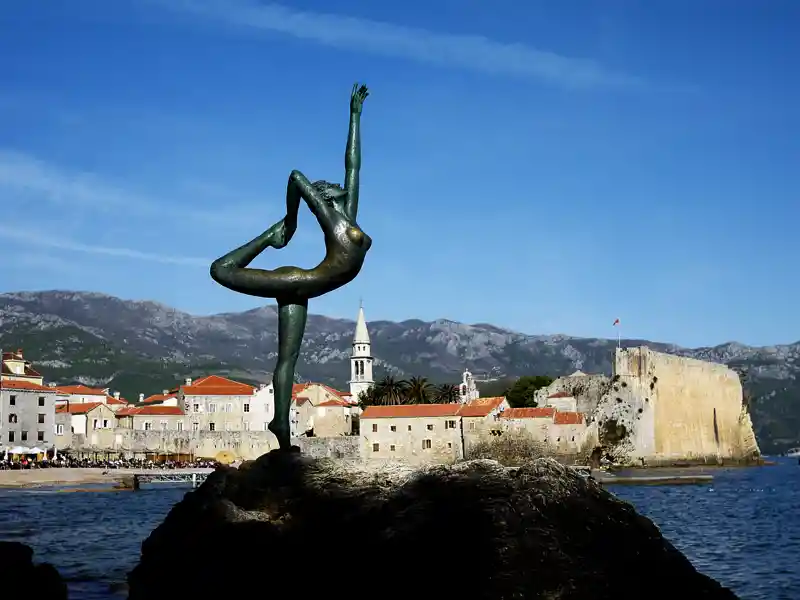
(331, 192)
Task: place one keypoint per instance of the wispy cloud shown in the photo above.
(21, 234)
(44, 182)
(472, 52)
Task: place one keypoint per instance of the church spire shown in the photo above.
(360, 358)
(362, 335)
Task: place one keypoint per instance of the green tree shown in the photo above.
(418, 391)
(389, 391)
(521, 393)
(446, 393)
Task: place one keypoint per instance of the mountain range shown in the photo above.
(143, 347)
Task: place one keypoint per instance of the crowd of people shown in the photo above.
(66, 461)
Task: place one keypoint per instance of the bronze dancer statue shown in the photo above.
(346, 245)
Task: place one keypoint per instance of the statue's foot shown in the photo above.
(277, 236)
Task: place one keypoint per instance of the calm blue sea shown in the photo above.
(743, 530)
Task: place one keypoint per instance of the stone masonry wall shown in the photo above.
(246, 445)
(663, 407)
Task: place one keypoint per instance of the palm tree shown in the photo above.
(390, 391)
(446, 393)
(419, 391)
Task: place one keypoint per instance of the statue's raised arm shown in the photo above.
(352, 155)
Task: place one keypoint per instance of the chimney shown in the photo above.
(116, 395)
(164, 392)
(188, 381)
(141, 397)
(51, 384)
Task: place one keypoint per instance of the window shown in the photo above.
(212, 426)
(376, 447)
(374, 427)
(94, 424)
(229, 407)
(105, 424)
(449, 424)
(12, 418)
(59, 430)
(147, 425)
(41, 417)
(40, 436)
(393, 428)
(41, 400)
(195, 426)
(426, 444)
(246, 425)
(196, 408)
(212, 408)
(472, 426)
(10, 436)
(266, 426)
(12, 400)
(430, 427)
(391, 448)
(24, 436)
(246, 407)
(163, 425)
(180, 425)
(449, 444)
(409, 427)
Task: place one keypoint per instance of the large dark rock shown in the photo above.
(289, 526)
(20, 576)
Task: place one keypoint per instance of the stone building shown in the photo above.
(84, 425)
(215, 403)
(27, 414)
(414, 433)
(14, 367)
(319, 410)
(479, 419)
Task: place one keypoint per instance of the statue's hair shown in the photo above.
(326, 188)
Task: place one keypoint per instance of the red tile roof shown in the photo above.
(336, 402)
(130, 411)
(158, 398)
(568, 418)
(77, 408)
(214, 385)
(11, 384)
(480, 407)
(546, 412)
(560, 395)
(410, 411)
(80, 390)
(113, 400)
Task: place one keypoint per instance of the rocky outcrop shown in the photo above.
(291, 525)
(20, 575)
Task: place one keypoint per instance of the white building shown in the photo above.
(360, 359)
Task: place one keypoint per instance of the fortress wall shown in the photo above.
(695, 406)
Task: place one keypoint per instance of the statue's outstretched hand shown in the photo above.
(357, 98)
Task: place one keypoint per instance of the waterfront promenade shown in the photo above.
(68, 476)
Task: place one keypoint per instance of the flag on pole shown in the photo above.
(616, 322)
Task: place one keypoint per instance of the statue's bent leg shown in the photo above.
(291, 326)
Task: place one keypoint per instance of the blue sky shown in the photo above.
(542, 166)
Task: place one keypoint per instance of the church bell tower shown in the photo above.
(360, 358)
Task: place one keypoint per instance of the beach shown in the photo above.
(68, 476)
